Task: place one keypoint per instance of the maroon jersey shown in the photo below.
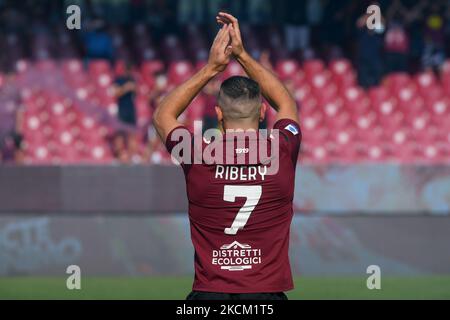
(240, 219)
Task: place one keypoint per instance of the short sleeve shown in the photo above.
(178, 135)
(290, 137)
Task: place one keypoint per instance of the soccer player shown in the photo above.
(239, 215)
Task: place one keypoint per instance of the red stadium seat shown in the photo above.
(97, 67)
(397, 81)
(143, 110)
(346, 80)
(378, 95)
(405, 119)
(233, 69)
(286, 69)
(340, 67)
(152, 66)
(180, 71)
(313, 67)
(425, 80)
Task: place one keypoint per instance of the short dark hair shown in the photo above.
(238, 87)
(239, 97)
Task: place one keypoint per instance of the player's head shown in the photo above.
(239, 103)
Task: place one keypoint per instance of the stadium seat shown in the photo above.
(179, 71)
(340, 66)
(313, 67)
(405, 118)
(286, 68)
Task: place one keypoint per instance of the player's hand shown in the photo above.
(221, 50)
(235, 32)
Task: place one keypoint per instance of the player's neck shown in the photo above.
(240, 126)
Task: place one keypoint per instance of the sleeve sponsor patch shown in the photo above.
(292, 129)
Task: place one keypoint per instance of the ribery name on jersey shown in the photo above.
(242, 173)
(237, 147)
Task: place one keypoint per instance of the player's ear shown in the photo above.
(219, 113)
(262, 112)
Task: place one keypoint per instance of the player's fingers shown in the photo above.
(221, 32)
(221, 20)
(228, 50)
(233, 35)
(227, 16)
(219, 35)
(225, 37)
(231, 18)
(225, 33)
(233, 21)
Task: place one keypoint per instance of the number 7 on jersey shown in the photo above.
(252, 195)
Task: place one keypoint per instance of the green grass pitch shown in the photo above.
(429, 287)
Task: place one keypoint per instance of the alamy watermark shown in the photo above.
(233, 147)
(73, 21)
(374, 21)
(374, 280)
(73, 281)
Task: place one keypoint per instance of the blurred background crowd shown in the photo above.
(87, 96)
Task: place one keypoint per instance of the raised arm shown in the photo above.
(271, 87)
(173, 105)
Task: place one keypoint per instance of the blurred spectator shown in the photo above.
(447, 28)
(434, 25)
(412, 13)
(127, 148)
(159, 89)
(97, 42)
(138, 153)
(314, 9)
(119, 147)
(191, 12)
(259, 11)
(264, 59)
(314, 12)
(210, 98)
(117, 11)
(333, 33)
(11, 149)
(396, 45)
(369, 54)
(162, 16)
(417, 36)
(296, 29)
(125, 89)
(434, 45)
(138, 10)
